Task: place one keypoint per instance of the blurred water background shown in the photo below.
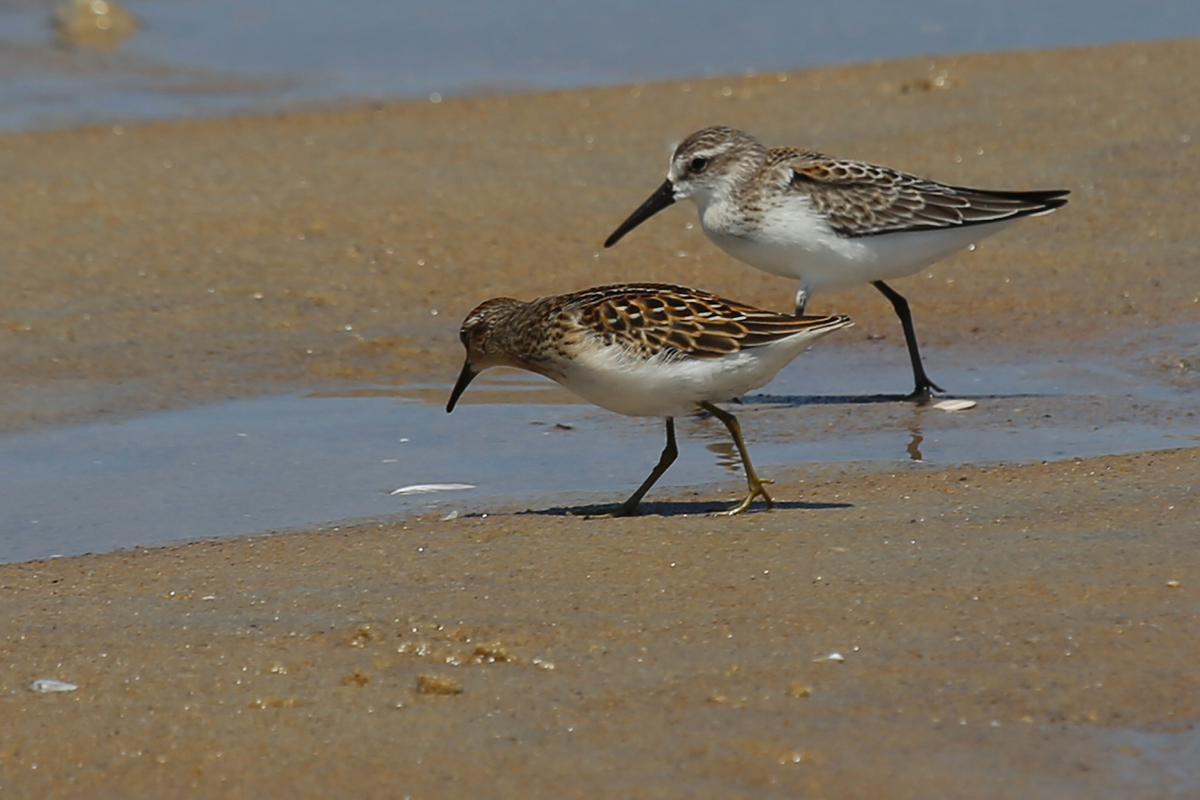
(185, 58)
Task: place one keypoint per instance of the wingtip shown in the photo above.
(1050, 201)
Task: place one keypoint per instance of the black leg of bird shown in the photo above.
(630, 507)
(925, 387)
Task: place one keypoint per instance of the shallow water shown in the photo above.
(278, 462)
(203, 57)
(1152, 758)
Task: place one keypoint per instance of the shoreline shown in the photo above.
(1000, 630)
(178, 263)
(890, 635)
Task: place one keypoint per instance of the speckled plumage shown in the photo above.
(641, 350)
(832, 223)
(855, 198)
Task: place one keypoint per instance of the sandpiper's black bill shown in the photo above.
(662, 198)
(464, 380)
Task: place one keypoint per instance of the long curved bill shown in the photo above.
(663, 197)
(464, 380)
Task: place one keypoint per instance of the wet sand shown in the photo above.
(173, 263)
(1007, 631)
(1003, 630)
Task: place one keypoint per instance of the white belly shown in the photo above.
(799, 245)
(658, 387)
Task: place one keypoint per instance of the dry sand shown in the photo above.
(1016, 631)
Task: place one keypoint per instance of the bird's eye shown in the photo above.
(698, 165)
(464, 336)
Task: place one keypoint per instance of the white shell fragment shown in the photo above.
(835, 656)
(427, 488)
(45, 685)
(955, 405)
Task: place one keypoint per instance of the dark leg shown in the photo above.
(630, 507)
(925, 387)
(757, 489)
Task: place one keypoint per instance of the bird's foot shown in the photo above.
(923, 394)
(758, 489)
(623, 510)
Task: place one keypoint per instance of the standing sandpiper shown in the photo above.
(643, 350)
(830, 222)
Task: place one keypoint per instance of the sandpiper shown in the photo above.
(643, 350)
(830, 222)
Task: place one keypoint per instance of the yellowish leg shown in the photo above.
(757, 487)
(630, 507)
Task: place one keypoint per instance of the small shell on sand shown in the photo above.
(427, 488)
(955, 405)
